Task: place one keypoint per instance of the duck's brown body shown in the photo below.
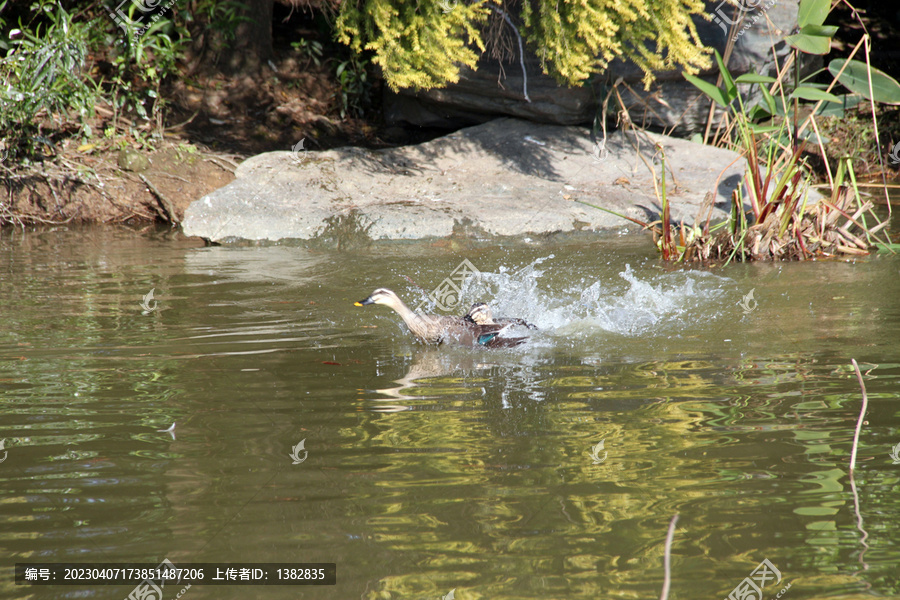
(439, 329)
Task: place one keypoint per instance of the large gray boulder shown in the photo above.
(504, 178)
(671, 103)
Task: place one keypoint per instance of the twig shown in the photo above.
(601, 145)
(223, 157)
(859, 422)
(859, 523)
(887, 197)
(163, 201)
(521, 51)
(183, 123)
(667, 559)
(643, 102)
(822, 150)
(220, 165)
(164, 174)
(862, 414)
(49, 182)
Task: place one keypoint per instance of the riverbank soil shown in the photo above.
(211, 125)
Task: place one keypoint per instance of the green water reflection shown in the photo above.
(431, 469)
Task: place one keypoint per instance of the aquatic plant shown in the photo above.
(786, 219)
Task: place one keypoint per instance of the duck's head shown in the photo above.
(381, 296)
(481, 313)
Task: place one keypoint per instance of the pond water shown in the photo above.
(431, 469)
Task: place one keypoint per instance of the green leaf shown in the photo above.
(754, 78)
(821, 30)
(756, 128)
(811, 44)
(810, 135)
(758, 112)
(727, 79)
(805, 92)
(885, 88)
(813, 12)
(770, 100)
(716, 93)
(812, 76)
(830, 109)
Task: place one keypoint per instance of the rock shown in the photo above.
(503, 178)
(671, 103)
(131, 160)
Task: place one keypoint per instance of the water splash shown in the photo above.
(632, 305)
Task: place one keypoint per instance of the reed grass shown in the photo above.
(774, 214)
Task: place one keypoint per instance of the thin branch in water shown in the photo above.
(859, 422)
(667, 559)
(862, 415)
(859, 524)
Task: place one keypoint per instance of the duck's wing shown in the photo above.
(488, 335)
(504, 342)
(468, 333)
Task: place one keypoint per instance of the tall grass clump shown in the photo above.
(60, 69)
(776, 212)
(43, 84)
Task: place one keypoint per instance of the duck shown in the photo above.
(439, 329)
(482, 314)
